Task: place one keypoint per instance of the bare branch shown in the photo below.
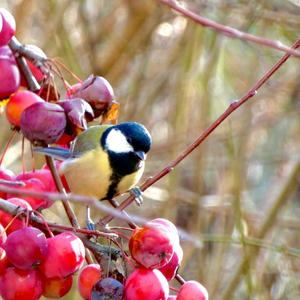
(231, 108)
(229, 31)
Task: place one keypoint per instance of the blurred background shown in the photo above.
(237, 194)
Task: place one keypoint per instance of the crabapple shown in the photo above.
(65, 256)
(88, 276)
(192, 290)
(144, 284)
(26, 247)
(18, 284)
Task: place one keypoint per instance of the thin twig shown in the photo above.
(231, 108)
(229, 31)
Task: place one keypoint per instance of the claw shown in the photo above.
(137, 194)
(89, 222)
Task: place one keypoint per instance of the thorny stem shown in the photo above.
(229, 31)
(231, 108)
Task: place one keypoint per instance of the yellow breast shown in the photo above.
(89, 174)
(129, 181)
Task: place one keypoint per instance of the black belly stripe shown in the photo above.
(112, 189)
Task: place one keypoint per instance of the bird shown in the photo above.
(104, 160)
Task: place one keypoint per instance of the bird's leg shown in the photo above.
(89, 222)
(137, 194)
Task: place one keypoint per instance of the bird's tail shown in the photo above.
(55, 152)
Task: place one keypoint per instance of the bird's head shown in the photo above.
(127, 145)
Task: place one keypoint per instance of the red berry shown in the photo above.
(3, 235)
(43, 175)
(56, 287)
(10, 74)
(170, 269)
(17, 103)
(8, 26)
(6, 218)
(145, 284)
(88, 276)
(34, 185)
(3, 260)
(151, 246)
(43, 122)
(26, 247)
(107, 288)
(192, 290)
(18, 284)
(65, 256)
(168, 226)
(5, 175)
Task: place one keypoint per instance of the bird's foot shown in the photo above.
(90, 225)
(137, 194)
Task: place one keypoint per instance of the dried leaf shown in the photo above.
(112, 114)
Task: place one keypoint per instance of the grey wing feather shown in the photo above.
(55, 152)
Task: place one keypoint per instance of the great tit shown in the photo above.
(104, 160)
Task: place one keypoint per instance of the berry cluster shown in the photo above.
(34, 261)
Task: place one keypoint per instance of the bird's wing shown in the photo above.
(55, 152)
(88, 140)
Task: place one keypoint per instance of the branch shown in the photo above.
(231, 108)
(14, 210)
(22, 50)
(229, 31)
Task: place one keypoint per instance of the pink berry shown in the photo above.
(168, 226)
(18, 284)
(65, 256)
(170, 269)
(88, 276)
(5, 175)
(172, 297)
(192, 290)
(26, 247)
(8, 26)
(35, 185)
(10, 74)
(3, 235)
(43, 122)
(145, 284)
(151, 247)
(6, 218)
(43, 175)
(95, 90)
(3, 260)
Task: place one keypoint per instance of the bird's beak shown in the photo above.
(140, 154)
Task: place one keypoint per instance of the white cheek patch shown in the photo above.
(116, 142)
